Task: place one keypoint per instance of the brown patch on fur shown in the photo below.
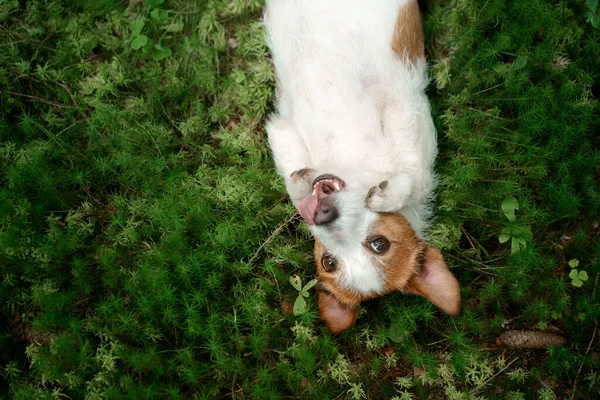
(407, 41)
(436, 283)
(400, 261)
(415, 267)
(410, 266)
(328, 282)
(337, 317)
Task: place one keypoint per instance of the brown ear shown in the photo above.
(337, 316)
(436, 283)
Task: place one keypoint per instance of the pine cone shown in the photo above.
(523, 339)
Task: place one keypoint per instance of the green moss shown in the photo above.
(146, 241)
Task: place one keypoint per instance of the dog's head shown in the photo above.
(361, 254)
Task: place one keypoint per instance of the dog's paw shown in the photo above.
(304, 175)
(389, 196)
(376, 198)
(299, 184)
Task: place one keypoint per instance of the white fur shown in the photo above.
(348, 106)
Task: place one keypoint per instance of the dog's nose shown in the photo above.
(326, 212)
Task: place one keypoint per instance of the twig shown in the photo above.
(233, 386)
(185, 348)
(472, 245)
(37, 99)
(271, 237)
(68, 89)
(187, 12)
(7, 31)
(13, 43)
(589, 345)
(40, 46)
(240, 390)
(439, 341)
(79, 62)
(490, 88)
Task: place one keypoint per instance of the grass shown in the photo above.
(146, 243)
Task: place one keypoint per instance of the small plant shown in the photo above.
(518, 234)
(519, 63)
(356, 391)
(592, 13)
(404, 382)
(134, 179)
(300, 303)
(546, 394)
(577, 276)
(158, 17)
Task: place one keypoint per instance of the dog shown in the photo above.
(354, 140)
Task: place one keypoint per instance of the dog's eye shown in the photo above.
(328, 263)
(379, 245)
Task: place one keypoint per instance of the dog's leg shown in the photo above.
(299, 184)
(291, 159)
(391, 195)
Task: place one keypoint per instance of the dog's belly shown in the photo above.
(327, 52)
(337, 73)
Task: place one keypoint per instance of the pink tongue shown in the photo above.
(307, 208)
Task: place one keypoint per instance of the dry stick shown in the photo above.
(276, 232)
(589, 345)
(472, 245)
(68, 89)
(79, 62)
(7, 31)
(185, 348)
(38, 99)
(40, 46)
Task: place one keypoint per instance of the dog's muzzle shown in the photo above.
(319, 208)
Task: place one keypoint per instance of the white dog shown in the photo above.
(354, 140)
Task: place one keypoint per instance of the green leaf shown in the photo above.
(139, 42)
(304, 293)
(520, 62)
(589, 15)
(574, 263)
(573, 274)
(500, 68)
(583, 276)
(509, 205)
(310, 284)
(160, 53)
(575, 280)
(159, 15)
(153, 3)
(240, 77)
(517, 245)
(522, 232)
(296, 282)
(137, 27)
(504, 237)
(596, 21)
(542, 325)
(592, 5)
(556, 314)
(299, 306)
